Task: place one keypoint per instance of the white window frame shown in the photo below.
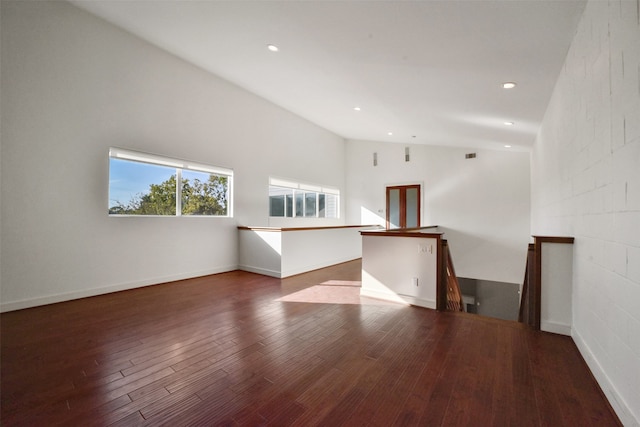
(179, 165)
(302, 188)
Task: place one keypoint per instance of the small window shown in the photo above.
(299, 203)
(310, 200)
(291, 199)
(145, 184)
(281, 201)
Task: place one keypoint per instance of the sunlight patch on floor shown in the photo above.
(333, 292)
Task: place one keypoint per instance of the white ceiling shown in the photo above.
(428, 71)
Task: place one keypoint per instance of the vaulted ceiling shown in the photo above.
(424, 72)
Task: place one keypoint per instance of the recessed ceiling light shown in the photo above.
(389, 133)
(507, 146)
(273, 48)
(508, 85)
(508, 123)
(356, 108)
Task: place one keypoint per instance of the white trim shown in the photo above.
(555, 327)
(260, 270)
(118, 153)
(621, 408)
(277, 182)
(154, 159)
(294, 271)
(309, 187)
(420, 302)
(386, 296)
(405, 299)
(329, 190)
(311, 267)
(197, 167)
(179, 192)
(68, 296)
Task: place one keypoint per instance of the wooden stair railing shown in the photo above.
(531, 299)
(527, 312)
(449, 294)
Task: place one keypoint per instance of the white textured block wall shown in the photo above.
(586, 184)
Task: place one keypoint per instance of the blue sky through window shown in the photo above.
(127, 179)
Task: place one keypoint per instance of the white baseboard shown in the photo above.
(294, 271)
(311, 267)
(618, 404)
(420, 302)
(556, 328)
(259, 270)
(85, 293)
(405, 299)
(387, 296)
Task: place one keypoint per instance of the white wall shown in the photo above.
(586, 184)
(73, 85)
(556, 311)
(408, 275)
(482, 204)
(260, 252)
(312, 249)
(286, 253)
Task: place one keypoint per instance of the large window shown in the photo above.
(145, 184)
(292, 199)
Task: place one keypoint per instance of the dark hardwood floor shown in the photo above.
(244, 349)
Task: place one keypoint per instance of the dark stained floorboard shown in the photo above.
(243, 349)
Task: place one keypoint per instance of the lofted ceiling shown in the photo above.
(424, 72)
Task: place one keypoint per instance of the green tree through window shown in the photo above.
(154, 186)
(204, 197)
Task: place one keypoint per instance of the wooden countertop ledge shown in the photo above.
(280, 229)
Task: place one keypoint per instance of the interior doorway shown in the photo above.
(403, 206)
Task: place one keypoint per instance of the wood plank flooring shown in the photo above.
(243, 349)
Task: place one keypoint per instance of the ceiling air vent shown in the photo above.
(470, 156)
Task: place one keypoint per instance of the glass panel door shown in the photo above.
(412, 208)
(393, 196)
(403, 206)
